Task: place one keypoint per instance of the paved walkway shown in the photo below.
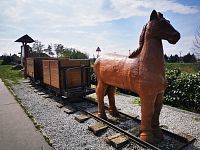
(17, 131)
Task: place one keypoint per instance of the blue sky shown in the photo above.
(113, 25)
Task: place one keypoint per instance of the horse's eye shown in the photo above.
(168, 21)
(164, 21)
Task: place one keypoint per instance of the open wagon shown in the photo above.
(34, 68)
(68, 77)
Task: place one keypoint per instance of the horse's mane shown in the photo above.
(141, 40)
(141, 43)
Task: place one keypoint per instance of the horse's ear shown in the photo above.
(153, 15)
(160, 15)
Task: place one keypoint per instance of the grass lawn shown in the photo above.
(184, 67)
(9, 76)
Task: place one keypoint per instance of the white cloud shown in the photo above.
(61, 20)
(8, 46)
(184, 45)
(90, 12)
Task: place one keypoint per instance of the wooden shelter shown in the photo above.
(25, 50)
(25, 39)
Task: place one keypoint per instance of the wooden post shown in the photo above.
(26, 55)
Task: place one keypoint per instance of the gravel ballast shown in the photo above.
(66, 133)
(172, 119)
(63, 131)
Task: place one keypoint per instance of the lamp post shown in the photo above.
(98, 50)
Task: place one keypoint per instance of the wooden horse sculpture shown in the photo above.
(143, 74)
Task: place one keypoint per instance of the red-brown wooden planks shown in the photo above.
(46, 72)
(54, 72)
(30, 67)
(51, 69)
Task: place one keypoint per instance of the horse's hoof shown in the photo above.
(158, 134)
(102, 115)
(148, 137)
(114, 113)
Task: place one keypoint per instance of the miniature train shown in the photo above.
(66, 77)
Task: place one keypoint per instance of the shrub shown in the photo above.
(7, 60)
(184, 67)
(93, 79)
(182, 90)
(17, 67)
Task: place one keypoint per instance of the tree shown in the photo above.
(74, 54)
(38, 47)
(174, 58)
(48, 50)
(196, 43)
(69, 52)
(59, 48)
(166, 58)
(189, 58)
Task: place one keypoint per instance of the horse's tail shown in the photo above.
(97, 72)
(107, 90)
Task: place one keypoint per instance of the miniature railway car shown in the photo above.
(34, 68)
(67, 77)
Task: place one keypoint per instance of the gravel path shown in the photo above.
(63, 131)
(66, 133)
(173, 119)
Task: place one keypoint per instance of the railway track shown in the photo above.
(129, 126)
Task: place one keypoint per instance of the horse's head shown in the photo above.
(160, 28)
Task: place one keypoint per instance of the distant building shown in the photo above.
(16, 59)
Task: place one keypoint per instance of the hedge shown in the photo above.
(183, 90)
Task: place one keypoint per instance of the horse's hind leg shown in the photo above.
(100, 92)
(157, 132)
(111, 97)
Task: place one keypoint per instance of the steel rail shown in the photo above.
(132, 137)
(180, 138)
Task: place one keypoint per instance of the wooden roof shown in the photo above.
(25, 39)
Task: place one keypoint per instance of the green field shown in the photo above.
(10, 76)
(184, 67)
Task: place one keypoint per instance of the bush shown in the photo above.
(184, 67)
(17, 67)
(93, 79)
(183, 90)
(7, 60)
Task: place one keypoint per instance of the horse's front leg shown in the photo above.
(111, 97)
(157, 132)
(147, 110)
(100, 92)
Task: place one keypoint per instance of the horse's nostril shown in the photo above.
(177, 35)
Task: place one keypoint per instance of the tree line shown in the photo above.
(188, 58)
(60, 50)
